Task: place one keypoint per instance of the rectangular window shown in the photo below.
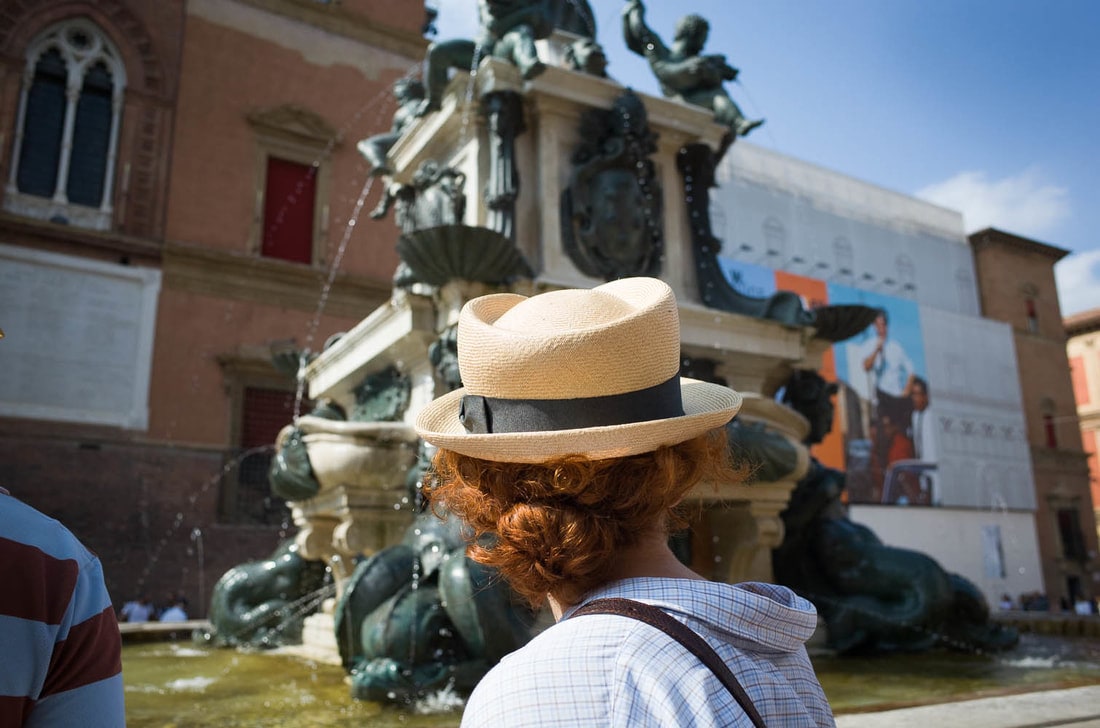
(288, 211)
(264, 413)
(1049, 431)
(1080, 380)
(1091, 441)
(1069, 530)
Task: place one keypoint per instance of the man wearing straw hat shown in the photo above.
(567, 451)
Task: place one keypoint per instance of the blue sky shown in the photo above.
(989, 107)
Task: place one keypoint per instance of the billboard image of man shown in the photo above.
(889, 370)
(922, 431)
(880, 370)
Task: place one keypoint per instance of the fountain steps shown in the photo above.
(160, 631)
(1052, 623)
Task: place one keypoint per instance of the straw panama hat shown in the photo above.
(588, 372)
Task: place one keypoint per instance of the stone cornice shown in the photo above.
(92, 436)
(992, 236)
(295, 122)
(254, 363)
(19, 230)
(1069, 462)
(333, 18)
(263, 280)
(1082, 323)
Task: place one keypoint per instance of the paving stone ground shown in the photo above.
(1076, 707)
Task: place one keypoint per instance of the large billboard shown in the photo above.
(929, 408)
(928, 404)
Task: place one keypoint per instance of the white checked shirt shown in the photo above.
(606, 670)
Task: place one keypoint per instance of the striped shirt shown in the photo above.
(606, 670)
(60, 649)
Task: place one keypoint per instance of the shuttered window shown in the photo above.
(1069, 531)
(288, 211)
(264, 412)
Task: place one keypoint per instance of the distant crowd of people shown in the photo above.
(142, 609)
(1038, 602)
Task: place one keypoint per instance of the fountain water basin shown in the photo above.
(358, 455)
(170, 683)
(361, 469)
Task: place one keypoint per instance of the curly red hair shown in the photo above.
(555, 527)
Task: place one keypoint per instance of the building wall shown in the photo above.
(1016, 285)
(213, 85)
(997, 550)
(240, 59)
(1083, 350)
(134, 504)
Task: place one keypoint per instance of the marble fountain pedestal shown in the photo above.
(363, 504)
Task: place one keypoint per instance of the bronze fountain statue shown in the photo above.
(409, 93)
(418, 615)
(261, 603)
(509, 29)
(683, 71)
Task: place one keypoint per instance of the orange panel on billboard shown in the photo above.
(815, 292)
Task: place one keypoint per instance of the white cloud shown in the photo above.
(1026, 205)
(1023, 204)
(1078, 278)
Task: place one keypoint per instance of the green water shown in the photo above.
(877, 683)
(176, 685)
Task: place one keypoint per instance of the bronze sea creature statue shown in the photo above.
(262, 603)
(420, 616)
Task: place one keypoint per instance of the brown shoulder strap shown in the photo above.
(681, 633)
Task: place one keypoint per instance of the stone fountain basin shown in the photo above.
(361, 455)
(758, 408)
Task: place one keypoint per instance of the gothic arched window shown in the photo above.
(66, 138)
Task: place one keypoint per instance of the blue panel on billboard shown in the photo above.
(902, 353)
(749, 279)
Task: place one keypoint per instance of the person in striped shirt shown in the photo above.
(59, 640)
